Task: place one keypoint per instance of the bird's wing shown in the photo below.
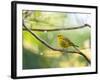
(66, 39)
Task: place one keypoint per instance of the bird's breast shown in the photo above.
(64, 44)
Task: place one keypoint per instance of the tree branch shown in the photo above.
(79, 52)
(45, 43)
(58, 29)
(85, 57)
(55, 49)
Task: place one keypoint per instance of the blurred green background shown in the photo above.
(36, 55)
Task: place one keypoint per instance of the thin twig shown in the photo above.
(58, 29)
(55, 49)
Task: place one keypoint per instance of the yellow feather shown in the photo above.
(64, 42)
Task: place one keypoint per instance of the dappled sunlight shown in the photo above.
(33, 48)
(52, 54)
(75, 63)
(63, 64)
(87, 52)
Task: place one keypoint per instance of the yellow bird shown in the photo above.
(64, 42)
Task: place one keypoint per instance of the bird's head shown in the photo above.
(60, 36)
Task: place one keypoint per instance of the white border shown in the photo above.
(34, 72)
